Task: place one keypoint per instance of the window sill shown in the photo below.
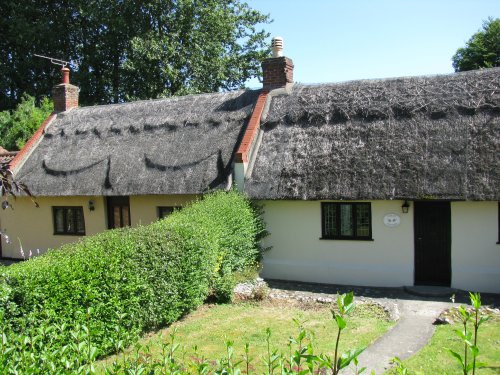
(346, 239)
(498, 243)
(69, 234)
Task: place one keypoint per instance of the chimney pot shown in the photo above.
(277, 71)
(277, 46)
(65, 75)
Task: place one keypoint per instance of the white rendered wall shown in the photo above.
(475, 255)
(299, 254)
(239, 175)
(144, 208)
(34, 227)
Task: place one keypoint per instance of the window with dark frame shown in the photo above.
(164, 211)
(69, 220)
(118, 211)
(346, 221)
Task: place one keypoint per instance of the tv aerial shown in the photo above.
(54, 60)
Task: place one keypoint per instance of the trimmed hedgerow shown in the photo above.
(107, 289)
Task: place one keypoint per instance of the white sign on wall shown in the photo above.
(392, 220)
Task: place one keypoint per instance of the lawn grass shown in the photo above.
(246, 322)
(434, 359)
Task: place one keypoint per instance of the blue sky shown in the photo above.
(333, 40)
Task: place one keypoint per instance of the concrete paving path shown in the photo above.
(412, 332)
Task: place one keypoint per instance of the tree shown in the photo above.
(482, 50)
(30, 27)
(17, 126)
(127, 49)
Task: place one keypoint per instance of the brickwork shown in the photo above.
(65, 97)
(277, 72)
(252, 128)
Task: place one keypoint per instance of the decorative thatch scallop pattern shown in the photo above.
(181, 145)
(417, 138)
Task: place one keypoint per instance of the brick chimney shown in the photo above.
(65, 95)
(278, 70)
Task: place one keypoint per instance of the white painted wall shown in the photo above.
(35, 229)
(299, 254)
(475, 255)
(239, 175)
(143, 208)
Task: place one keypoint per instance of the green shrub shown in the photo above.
(103, 291)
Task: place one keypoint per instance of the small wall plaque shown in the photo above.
(392, 220)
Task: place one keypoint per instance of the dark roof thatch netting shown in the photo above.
(182, 145)
(417, 138)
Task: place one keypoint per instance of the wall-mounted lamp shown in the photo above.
(91, 205)
(405, 207)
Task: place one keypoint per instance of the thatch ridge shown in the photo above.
(180, 145)
(409, 138)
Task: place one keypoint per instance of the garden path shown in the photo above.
(415, 315)
(412, 332)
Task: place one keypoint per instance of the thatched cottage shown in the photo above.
(381, 182)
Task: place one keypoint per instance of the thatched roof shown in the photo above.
(182, 145)
(419, 137)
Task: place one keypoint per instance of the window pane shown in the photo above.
(126, 219)
(70, 221)
(117, 222)
(80, 221)
(59, 220)
(330, 220)
(346, 225)
(363, 220)
(164, 211)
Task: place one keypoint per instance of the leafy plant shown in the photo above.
(87, 299)
(10, 188)
(469, 338)
(399, 367)
(18, 125)
(301, 358)
(346, 305)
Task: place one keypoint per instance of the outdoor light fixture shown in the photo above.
(405, 207)
(91, 205)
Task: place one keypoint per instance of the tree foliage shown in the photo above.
(482, 50)
(127, 49)
(17, 126)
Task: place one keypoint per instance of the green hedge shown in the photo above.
(107, 289)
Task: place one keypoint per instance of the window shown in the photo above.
(118, 212)
(498, 223)
(68, 220)
(165, 211)
(346, 221)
